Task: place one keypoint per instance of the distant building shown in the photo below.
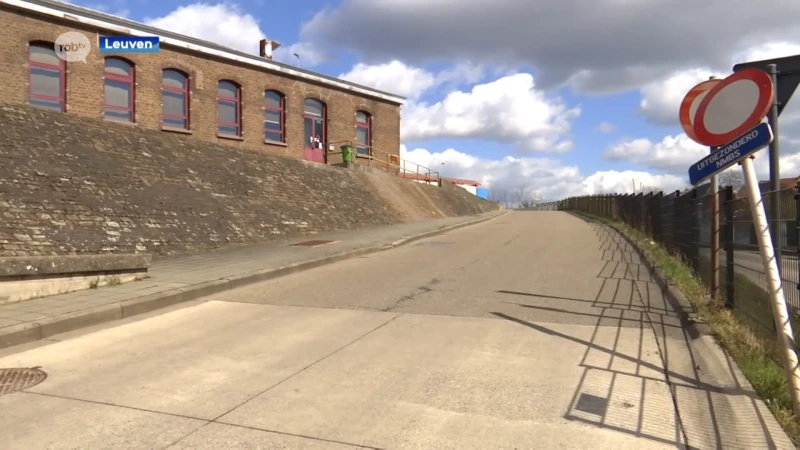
(469, 185)
(473, 187)
(744, 232)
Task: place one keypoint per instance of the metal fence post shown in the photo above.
(797, 227)
(694, 243)
(714, 244)
(655, 216)
(677, 245)
(729, 245)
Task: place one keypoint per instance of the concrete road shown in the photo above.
(533, 330)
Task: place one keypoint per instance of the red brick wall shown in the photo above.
(85, 90)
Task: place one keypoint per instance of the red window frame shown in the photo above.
(365, 126)
(61, 68)
(237, 102)
(124, 79)
(281, 109)
(184, 91)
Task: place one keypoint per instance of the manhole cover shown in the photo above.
(434, 244)
(311, 243)
(13, 380)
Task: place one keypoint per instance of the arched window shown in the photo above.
(174, 99)
(229, 108)
(314, 129)
(274, 116)
(47, 77)
(118, 89)
(363, 132)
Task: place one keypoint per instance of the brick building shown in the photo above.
(193, 87)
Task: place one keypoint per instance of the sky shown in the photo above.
(534, 99)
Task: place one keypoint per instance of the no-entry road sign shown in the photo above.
(732, 153)
(690, 103)
(733, 106)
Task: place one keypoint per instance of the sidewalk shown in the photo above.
(189, 277)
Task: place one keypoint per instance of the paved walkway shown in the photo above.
(195, 273)
(535, 330)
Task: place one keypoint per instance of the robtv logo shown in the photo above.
(128, 44)
(72, 46)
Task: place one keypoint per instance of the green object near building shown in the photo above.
(347, 153)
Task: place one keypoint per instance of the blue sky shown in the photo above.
(589, 94)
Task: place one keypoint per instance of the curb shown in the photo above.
(444, 229)
(42, 329)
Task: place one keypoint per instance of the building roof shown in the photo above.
(763, 186)
(462, 181)
(785, 183)
(419, 177)
(86, 16)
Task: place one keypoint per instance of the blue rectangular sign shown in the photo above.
(731, 153)
(128, 44)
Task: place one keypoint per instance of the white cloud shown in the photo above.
(309, 55)
(225, 24)
(601, 46)
(661, 99)
(506, 110)
(768, 50)
(394, 77)
(408, 81)
(673, 154)
(509, 178)
(606, 127)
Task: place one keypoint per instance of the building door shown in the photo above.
(314, 131)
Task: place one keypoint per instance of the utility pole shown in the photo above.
(775, 173)
(714, 192)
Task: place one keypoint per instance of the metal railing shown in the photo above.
(681, 223)
(388, 162)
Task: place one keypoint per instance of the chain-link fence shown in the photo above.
(682, 223)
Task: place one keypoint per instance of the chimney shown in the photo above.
(266, 47)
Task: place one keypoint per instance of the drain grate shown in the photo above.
(17, 379)
(311, 243)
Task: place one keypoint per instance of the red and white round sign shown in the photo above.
(732, 107)
(690, 103)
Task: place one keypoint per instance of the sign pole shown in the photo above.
(715, 291)
(780, 312)
(775, 171)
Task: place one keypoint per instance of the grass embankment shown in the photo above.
(750, 351)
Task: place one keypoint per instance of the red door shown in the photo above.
(314, 131)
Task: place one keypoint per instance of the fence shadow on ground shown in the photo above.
(641, 374)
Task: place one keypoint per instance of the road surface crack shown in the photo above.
(420, 291)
